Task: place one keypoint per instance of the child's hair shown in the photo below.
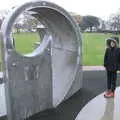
(114, 39)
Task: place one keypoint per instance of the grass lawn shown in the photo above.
(24, 42)
(93, 46)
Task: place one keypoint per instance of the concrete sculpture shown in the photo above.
(52, 72)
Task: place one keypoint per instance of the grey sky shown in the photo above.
(100, 8)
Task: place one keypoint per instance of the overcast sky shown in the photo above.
(99, 8)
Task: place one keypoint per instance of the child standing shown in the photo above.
(111, 63)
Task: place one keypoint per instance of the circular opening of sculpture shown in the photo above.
(28, 32)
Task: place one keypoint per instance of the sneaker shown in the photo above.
(109, 94)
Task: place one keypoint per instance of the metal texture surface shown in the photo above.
(51, 73)
(2, 101)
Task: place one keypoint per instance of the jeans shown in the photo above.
(111, 80)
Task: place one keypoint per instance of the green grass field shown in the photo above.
(24, 42)
(93, 46)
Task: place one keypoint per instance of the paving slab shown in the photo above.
(101, 108)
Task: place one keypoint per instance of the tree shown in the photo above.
(17, 26)
(90, 22)
(1, 22)
(3, 14)
(114, 22)
(25, 22)
(103, 25)
(29, 22)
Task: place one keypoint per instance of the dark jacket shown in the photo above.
(112, 59)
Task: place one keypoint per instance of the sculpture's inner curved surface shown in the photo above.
(64, 50)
